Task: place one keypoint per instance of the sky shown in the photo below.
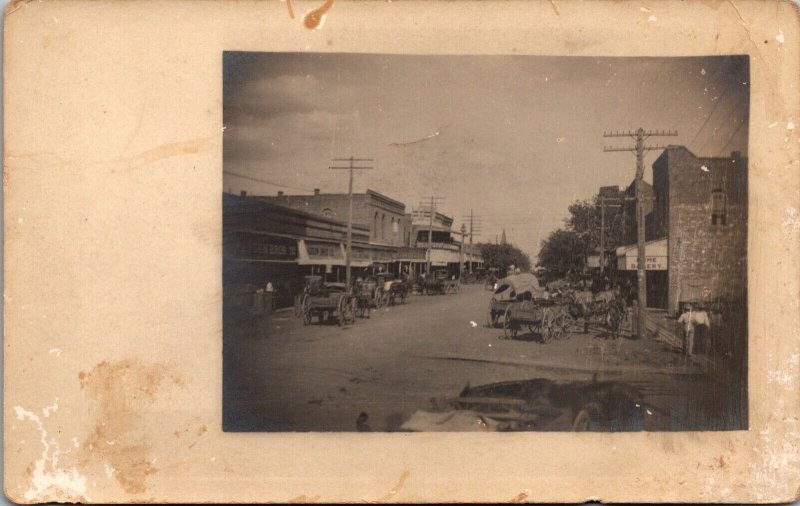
(514, 139)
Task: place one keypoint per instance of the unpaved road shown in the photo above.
(321, 377)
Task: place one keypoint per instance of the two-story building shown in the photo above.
(696, 227)
(435, 243)
(267, 243)
(385, 218)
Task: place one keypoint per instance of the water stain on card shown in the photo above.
(313, 18)
(121, 393)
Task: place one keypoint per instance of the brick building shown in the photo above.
(385, 217)
(701, 208)
(696, 220)
(264, 242)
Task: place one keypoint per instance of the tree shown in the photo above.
(567, 249)
(561, 252)
(585, 220)
(503, 256)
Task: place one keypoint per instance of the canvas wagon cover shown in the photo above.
(519, 283)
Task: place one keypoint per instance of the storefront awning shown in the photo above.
(320, 253)
(655, 254)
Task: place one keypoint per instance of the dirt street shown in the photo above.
(320, 377)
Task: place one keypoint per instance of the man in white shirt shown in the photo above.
(690, 320)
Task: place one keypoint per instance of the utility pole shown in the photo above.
(641, 262)
(474, 223)
(432, 210)
(603, 206)
(351, 168)
(461, 251)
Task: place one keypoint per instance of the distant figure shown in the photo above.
(268, 299)
(361, 423)
(690, 319)
(517, 271)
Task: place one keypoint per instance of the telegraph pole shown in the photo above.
(351, 167)
(432, 208)
(461, 252)
(474, 223)
(641, 262)
(603, 205)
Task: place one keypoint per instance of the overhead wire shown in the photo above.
(250, 178)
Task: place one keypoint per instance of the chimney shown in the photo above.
(280, 194)
(316, 191)
(243, 194)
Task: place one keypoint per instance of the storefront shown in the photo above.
(411, 260)
(267, 243)
(253, 259)
(656, 270)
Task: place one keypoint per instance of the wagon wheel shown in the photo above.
(491, 321)
(557, 329)
(303, 301)
(306, 310)
(510, 329)
(377, 299)
(350, 310)
(547, 326)
(567, 321)
(298, 306)
(344, 310)
(403, 295)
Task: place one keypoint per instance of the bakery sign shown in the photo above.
(655, 256)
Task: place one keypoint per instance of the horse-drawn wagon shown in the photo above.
(605, 308)
(506, 292)
(437, 283)
(519, 302)
(398, 291)
(326, 302)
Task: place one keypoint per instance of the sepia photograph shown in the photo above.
(318, 251)
(424, 243)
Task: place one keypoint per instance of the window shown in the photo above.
(375, 227)
(719, 204)
(383, 227)
(327, 212)
(395, 226)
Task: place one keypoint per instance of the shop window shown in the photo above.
(719, 205)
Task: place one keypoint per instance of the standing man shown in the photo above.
(690, 319)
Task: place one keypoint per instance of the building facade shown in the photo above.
(266, 243)
(701, 209)
(434, 240)
(396, 240)
(385, 217)
(696, 231)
